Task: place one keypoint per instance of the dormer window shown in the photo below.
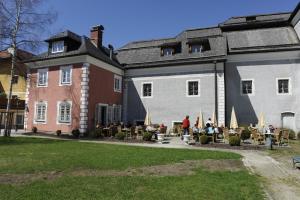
(57, 47)
(199, 46)
(196, 48)
(250, 18)
(169, 49)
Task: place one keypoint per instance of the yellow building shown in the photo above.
(18, 89)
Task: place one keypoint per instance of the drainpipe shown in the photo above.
(216, 90)
(111, 51)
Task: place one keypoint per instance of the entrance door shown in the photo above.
(101, 114)
(288, 120)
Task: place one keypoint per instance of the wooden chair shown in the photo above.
(256, 137)
(278, 136)
(225, 135)
(163, 130)
(285, 135)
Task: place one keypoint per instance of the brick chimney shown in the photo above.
(96, 35)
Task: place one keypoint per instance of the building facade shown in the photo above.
(75, 85)
(18, 86)
(250, 63)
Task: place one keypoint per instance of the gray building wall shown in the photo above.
(170, 102)
(263, 69)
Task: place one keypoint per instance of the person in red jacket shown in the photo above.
(186, 125)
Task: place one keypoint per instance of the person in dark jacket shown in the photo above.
(186, 125)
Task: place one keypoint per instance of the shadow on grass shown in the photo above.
(25, 141)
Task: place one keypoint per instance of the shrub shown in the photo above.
(58, 132)
(120, 136)
(203, 139)
(34, 129)
(98, 133)
(76, 133)
(292, 134)
(298, 135)
(234, 141)
(147, 136)
(245, 134)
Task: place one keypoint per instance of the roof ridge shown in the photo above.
(265, 14)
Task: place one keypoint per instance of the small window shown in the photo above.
(247, 87)
(117, 83)
(57, 47)
(193, 88)
(196, 48)
(283, 86)
(64, 112)
(66, 75)
(167, 51)
(19, 120)
(40, 112)
(147, 89)
(15, 79)
(42, 77)
(250, 18)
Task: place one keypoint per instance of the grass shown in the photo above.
(28, 155)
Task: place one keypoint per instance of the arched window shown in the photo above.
(64, 112)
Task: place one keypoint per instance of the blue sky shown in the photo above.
(132, 20)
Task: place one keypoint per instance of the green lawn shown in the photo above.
(19, 156)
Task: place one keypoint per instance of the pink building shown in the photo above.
(75, 85)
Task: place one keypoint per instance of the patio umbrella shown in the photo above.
(233, 120)
(201, 122)
(261, 121)
(214, 119)
(147, 119)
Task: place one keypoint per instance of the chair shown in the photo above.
(132, 132)
(239, 131)
(211, 134)
(285, 135)
(278, 136)
(163, 130)
(256, 137)
(225, 135)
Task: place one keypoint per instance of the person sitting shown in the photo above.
(210, 130)
(195, 129)
(209, 122)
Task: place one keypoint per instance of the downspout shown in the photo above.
(216, 90)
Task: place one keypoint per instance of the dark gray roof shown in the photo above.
(86, 48)
(262, 39)
(64, 34)
(149, 52)
(267, 18)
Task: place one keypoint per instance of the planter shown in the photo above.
(160, 137)
(186, 139)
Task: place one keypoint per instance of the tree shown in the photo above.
(21, 24)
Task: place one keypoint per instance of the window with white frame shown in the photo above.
(247, 87)
(40, 112)
(64, 112)
(66, 75)
(147, 89)
(57, 47)
(283, 86)
(117, 83)
(42, 77)
(193, 88)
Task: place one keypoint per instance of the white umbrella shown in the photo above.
(147, 119)
(200, 122)
(233, 120)
(261, 121)
(214, 119)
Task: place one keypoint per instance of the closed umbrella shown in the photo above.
(214, 119)
(201, 122)
(147, 119)
(233, 120)
(261, 121)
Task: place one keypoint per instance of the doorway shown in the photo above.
(288, 120)
(101, 114)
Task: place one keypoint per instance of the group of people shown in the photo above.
(209, 126)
